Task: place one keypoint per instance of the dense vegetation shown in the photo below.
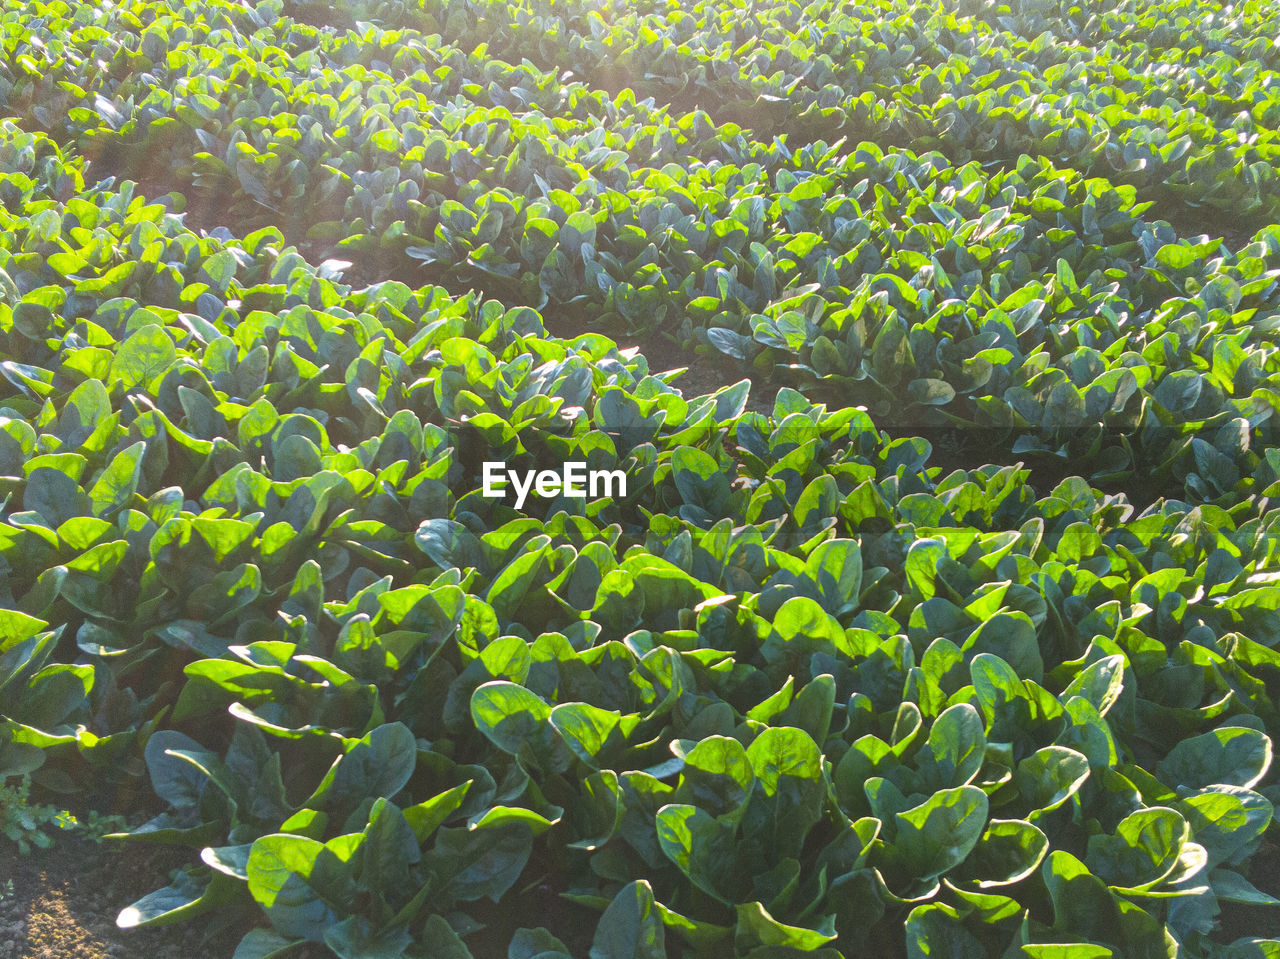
(276, 280)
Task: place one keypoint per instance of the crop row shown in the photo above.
(975, 87)
(980, 83)
(795, 689)
(1028, 300)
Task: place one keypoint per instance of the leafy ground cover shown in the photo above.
(960, 288)
(276, 282)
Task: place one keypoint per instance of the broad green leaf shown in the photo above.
(938, 834)
(284, 878)
(757, 927)
(1008, 852)
(955, 750)
(356, 938)
(703, 847)
(588, 730)
(142, 358)
(1231, 755)
(480, 862)
(377, 765)
(1143, 850)
(187, 896)
(631, 928)
(937, 930)
(1049, 777)
(717, 777)
(535, 943)
(264, 944)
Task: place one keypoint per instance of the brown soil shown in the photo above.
(65, 901)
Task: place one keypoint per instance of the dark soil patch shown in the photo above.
(65, 901)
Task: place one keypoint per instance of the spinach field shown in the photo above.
(938, 346)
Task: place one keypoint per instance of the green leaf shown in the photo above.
(449, 544)
(357, 938)
(587, 730)
(1231, 755)
(389, 853)
(1253, 948)
(176, 782)
(1101, 683)
(699, 479)
(482, 861)
(264, 944)
(377, 765)
(936, 930)
(1226, 820)
(789, 790)
(1083, 906)
(835, 566)
(118, 482)
(813, 708)
(1011, 637)
(142, 359)
(444, 942)
(717, 777)
(88, 406)
(231, 860)
(1008, 852)
(955, 749)
(1176, 256)
(517, 721)
(924, 558)
(938, 834)
(929, 392)
(757, 927)
(1144, 849)
(220, 268)
(1049, 777)
(1230, 886)
(426, 817)
(55, 496)
(536, 944)
(1178, 391)
(631, 927)
(187, 896)
(280, 870)
(579, 229)
(703, 847)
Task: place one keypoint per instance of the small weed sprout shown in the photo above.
(24, 822)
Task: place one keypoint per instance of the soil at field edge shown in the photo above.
(65, 901)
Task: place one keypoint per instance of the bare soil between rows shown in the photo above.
(65, 901)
